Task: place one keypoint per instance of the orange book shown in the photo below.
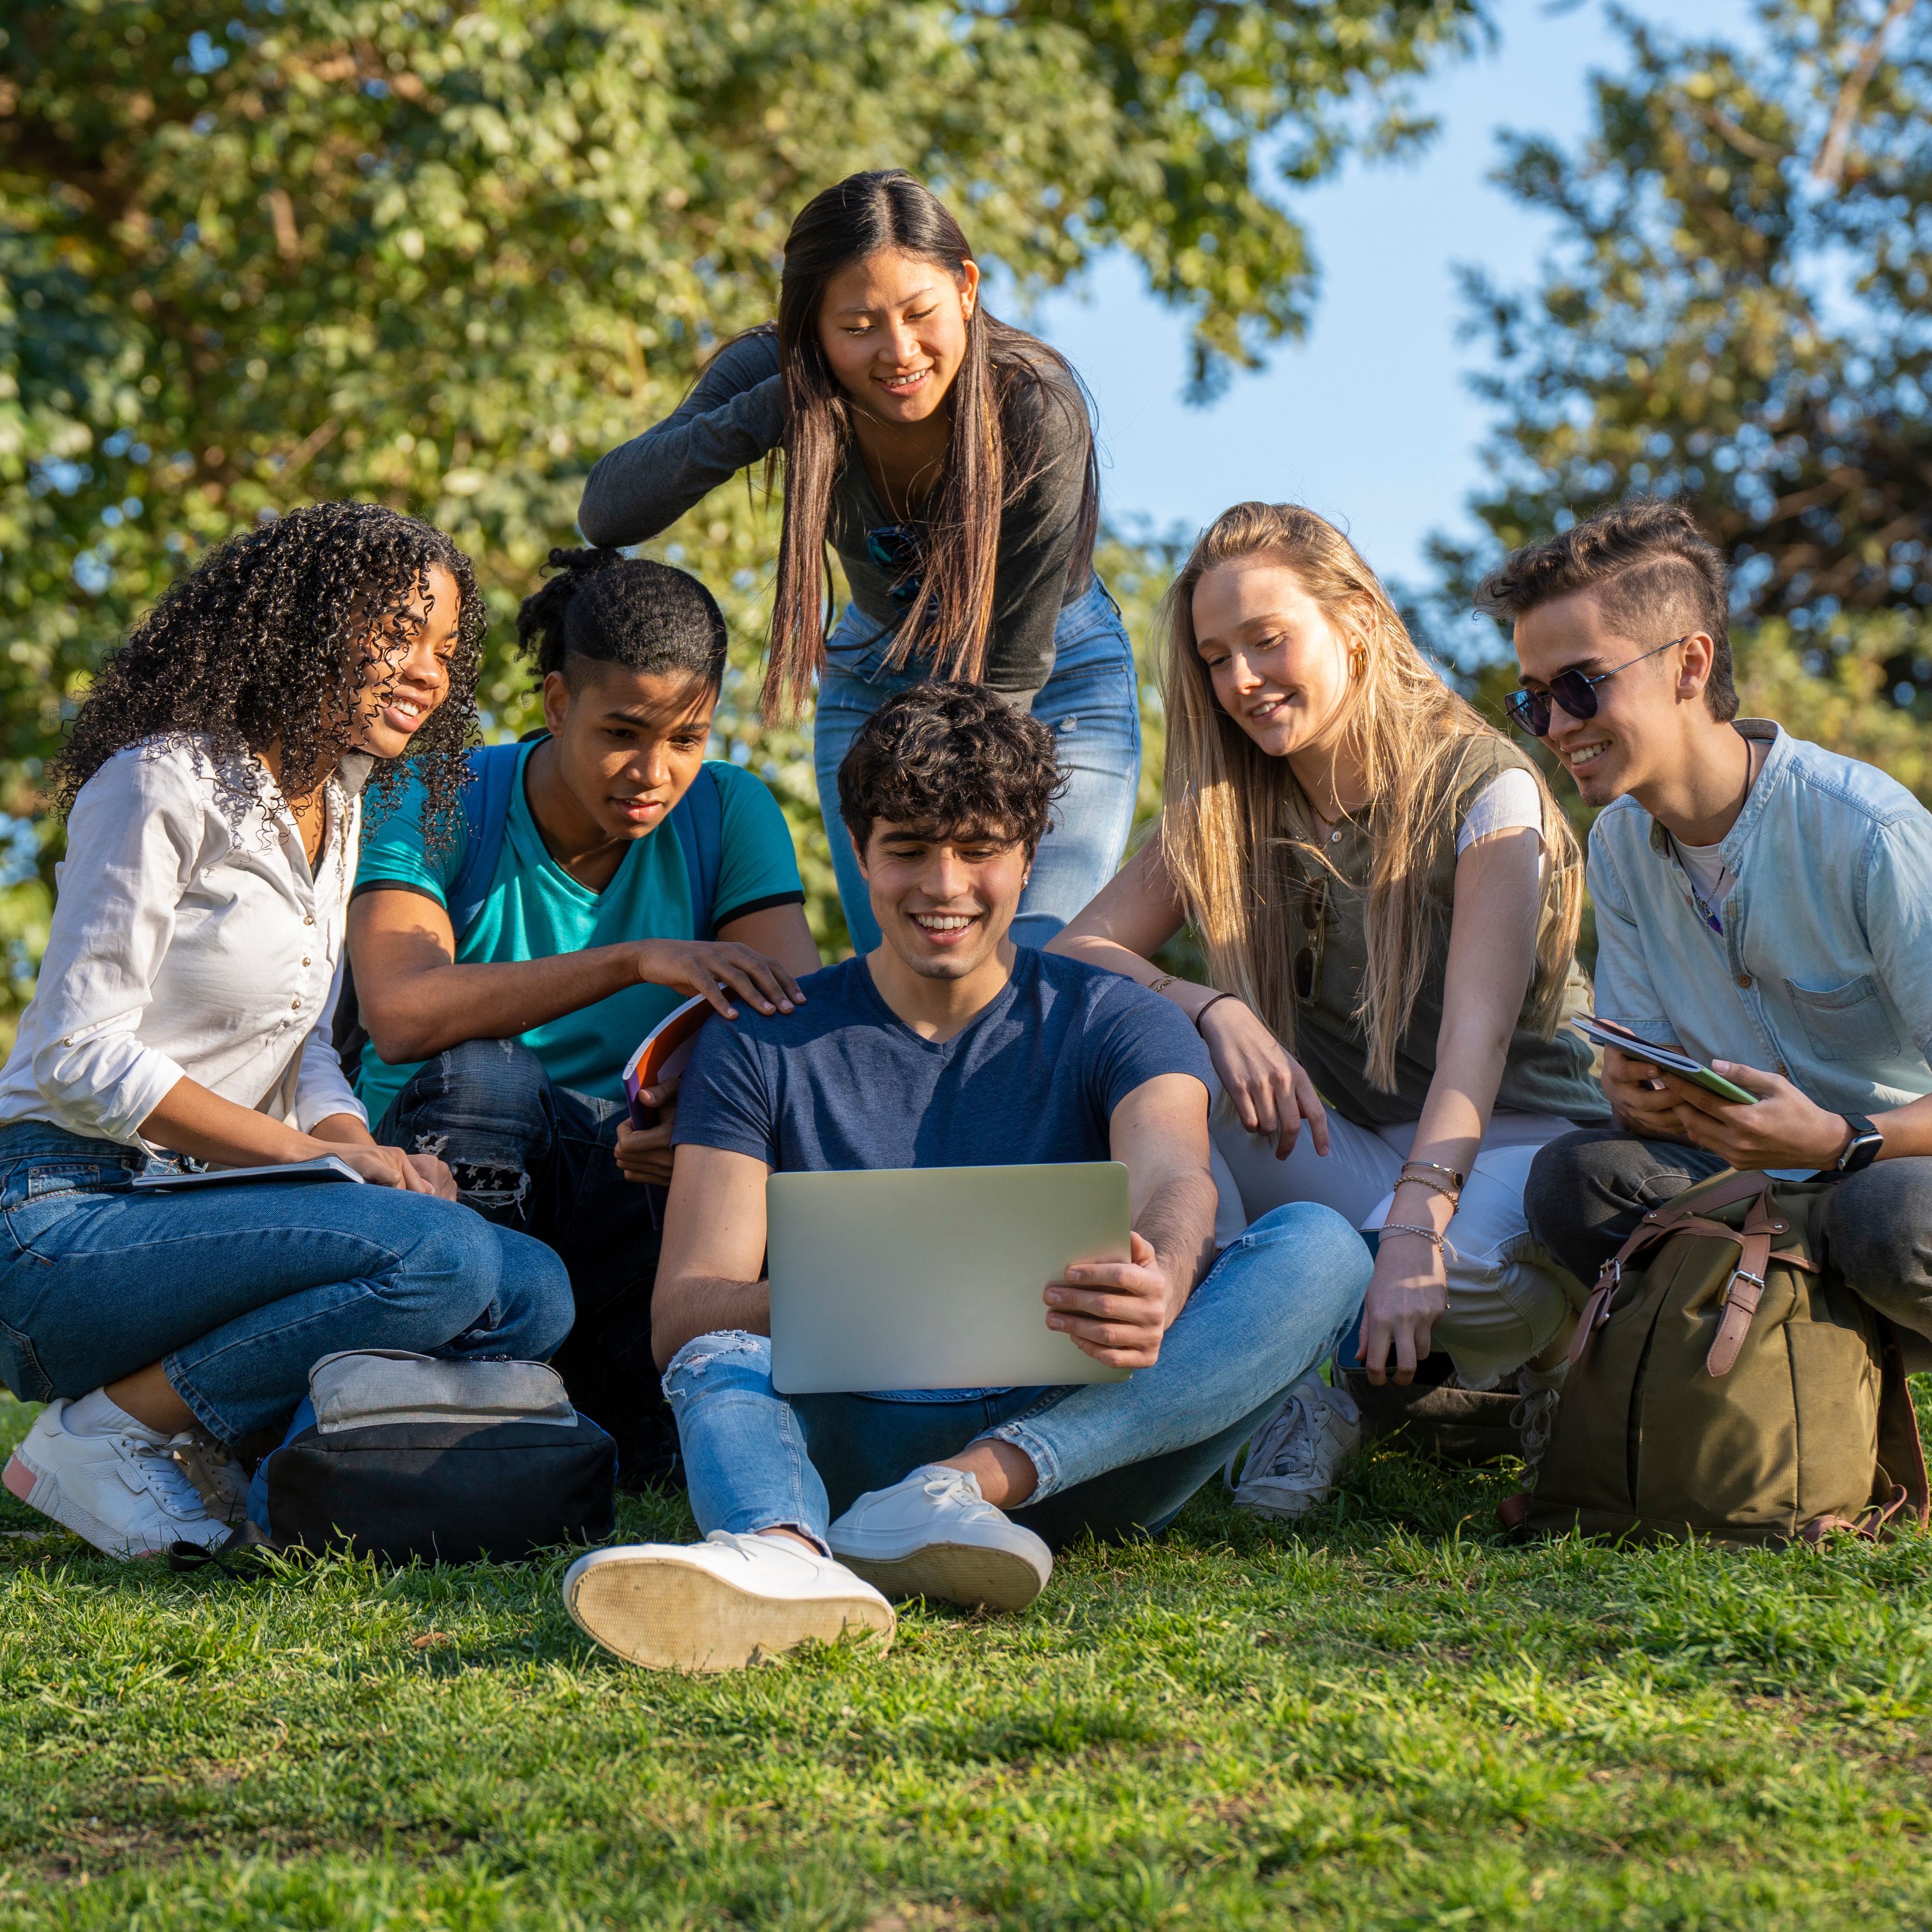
(662, 1052)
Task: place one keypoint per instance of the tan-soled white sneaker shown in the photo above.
(932, 1534)
(126, 1493)
(720, 1604)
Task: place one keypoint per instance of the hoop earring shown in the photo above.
(1358, 661)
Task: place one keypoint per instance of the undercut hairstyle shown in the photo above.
(604, 608)
(266, 643)
(943, 759)
(1652, 572)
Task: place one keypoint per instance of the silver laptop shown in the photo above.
(934, 1277)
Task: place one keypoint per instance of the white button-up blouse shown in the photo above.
(189, 938)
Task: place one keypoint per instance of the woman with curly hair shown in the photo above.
(948, 457)
(211, 784)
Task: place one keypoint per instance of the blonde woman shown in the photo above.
(1387, 899)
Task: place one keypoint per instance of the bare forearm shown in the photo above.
(412, 1015)
(1178, 1221)
(192, 1120)
(689, 1306)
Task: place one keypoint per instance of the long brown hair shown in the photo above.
(1007, 383)
(1237, 834)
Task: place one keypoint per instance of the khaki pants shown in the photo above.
(1509, 1298)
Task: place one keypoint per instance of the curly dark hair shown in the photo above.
(942, 758)
(1651, 570)
(613, 609)
(266, 641)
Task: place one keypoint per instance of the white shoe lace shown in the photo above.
(153, 1466)
(1533, 1419)
(958, 1487)
(1283, 1446)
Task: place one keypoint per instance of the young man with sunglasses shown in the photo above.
(1763, 905)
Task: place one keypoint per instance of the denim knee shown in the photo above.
(729, 1359)
(533, 1295)
(1328, 1256)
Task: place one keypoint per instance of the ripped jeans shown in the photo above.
(1112, 1458)
(528, 1154)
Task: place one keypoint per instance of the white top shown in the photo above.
(189, 939)
(1709, 873)
(1509, 802)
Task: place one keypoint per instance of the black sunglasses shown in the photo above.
(1529, 710)
(1313, 913)
(895, 547)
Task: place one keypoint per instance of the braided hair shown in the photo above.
(610, 608)
(265, 643)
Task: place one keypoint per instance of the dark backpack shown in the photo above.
(698, 818)
(1725, 1382)
(401, 1456)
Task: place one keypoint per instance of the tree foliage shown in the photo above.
(444, 256)
(1735, 314)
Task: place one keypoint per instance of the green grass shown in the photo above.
(1389, 1720)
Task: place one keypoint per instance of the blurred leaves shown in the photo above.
(443, 257)
(1715, 324)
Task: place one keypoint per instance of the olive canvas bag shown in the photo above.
(1725, 1382)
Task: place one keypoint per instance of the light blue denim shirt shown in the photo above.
(1823, 973)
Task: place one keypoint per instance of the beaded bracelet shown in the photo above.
(1428, 1234)
(1449, 1194)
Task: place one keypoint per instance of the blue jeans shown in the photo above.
(238, 1292)
(528, 1154)
(1092, 704)
(1112, 1458)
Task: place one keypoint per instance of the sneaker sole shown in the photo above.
(41, 1492)
(956, 1572)
(664, 1615)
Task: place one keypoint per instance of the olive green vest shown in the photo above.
(1541, 1076)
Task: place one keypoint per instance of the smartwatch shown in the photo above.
(1863, 1147)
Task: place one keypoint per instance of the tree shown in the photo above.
(1736, 315)
(444, 256)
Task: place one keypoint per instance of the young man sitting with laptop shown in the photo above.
(1757, 898)
(948, 1047)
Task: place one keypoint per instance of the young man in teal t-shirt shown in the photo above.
(502, 1047)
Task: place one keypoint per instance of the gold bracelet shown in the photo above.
(1161, 985)
(1435, 1167)
(1449, 1194)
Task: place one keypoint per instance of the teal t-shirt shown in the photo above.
(535, 910)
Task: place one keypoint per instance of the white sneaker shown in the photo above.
(1296, 1454)
(720, 1604)
(125, 1493)
(932, 1534)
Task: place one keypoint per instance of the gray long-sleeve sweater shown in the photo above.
(736, 414)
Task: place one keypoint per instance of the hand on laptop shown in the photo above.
(717, 969)
(1117, 1312)
(1641, 1103)
(644, 1153)
(1783, 1129)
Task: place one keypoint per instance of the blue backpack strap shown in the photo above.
(486, 811)
(699, 816)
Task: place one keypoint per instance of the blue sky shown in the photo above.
(1368, 419)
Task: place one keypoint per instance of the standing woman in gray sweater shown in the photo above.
(948, 457)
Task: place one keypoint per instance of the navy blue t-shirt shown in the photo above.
(843, 1083)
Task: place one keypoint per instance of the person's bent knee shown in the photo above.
(1558, 1177)
(534, 1299)
(1318, 1257)
(726, 1358)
